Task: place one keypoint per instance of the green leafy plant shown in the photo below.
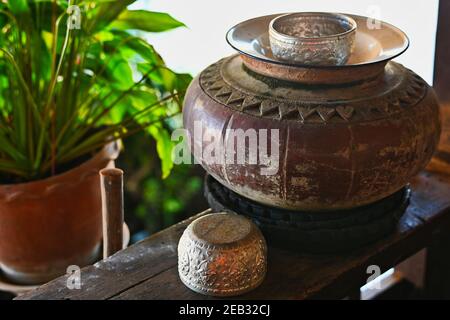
(74, 75)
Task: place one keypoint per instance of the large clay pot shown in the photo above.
(49, 224)
(348, 136)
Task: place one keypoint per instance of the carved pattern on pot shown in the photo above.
(219, 89)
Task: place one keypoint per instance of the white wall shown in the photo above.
(203, 42)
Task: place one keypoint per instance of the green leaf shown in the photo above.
(120, 109)
(164, 146)
(41, 59)
(45, 9)
(145, 51)
(18, 6)
(108, 12)
(161, 78)
(104, 36)
(146, 21)
(8, 148)
(120, 73)
(173, 205)
(182, 82)
(167, 80)
(12, 167)
(142, 98)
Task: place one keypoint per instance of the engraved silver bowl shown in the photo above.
(222, 254)
(312, 38)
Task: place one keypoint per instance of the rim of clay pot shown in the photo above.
(109, 152)
(314, 76)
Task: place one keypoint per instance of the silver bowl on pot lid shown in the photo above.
(312, 38)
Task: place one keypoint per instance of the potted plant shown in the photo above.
(75, 79)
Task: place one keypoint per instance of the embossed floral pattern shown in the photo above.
(221, 271)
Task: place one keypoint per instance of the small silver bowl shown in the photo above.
(312, 38)
(222, 254)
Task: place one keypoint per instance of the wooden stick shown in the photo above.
(112, 210)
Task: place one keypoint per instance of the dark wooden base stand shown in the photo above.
(314, 232)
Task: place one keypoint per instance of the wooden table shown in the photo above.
(148, 269)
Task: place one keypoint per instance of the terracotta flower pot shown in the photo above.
(49, 224)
